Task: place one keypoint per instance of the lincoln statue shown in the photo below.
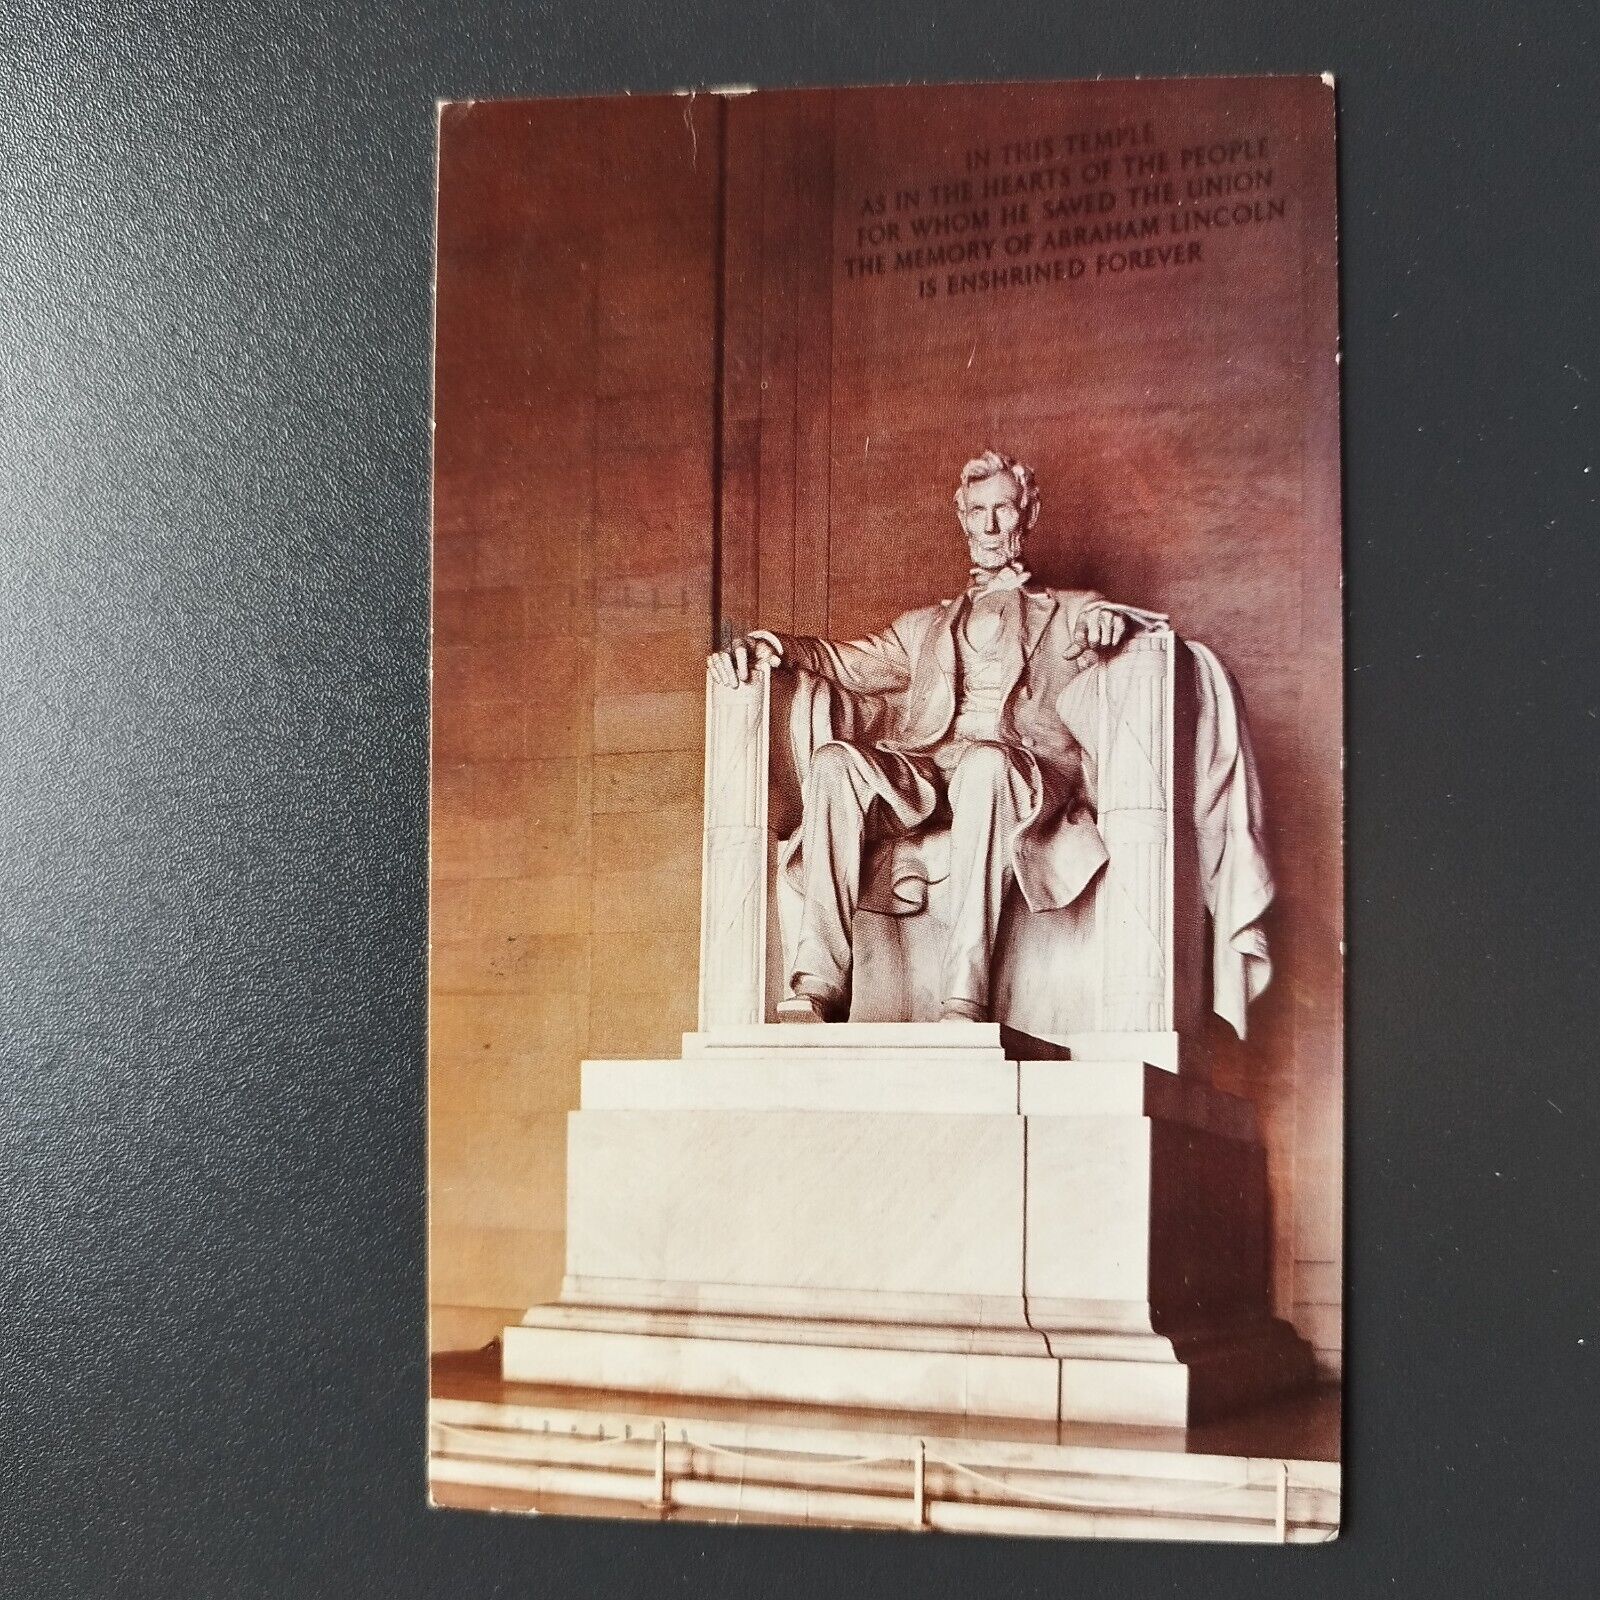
(978, 743)
(889, 1212)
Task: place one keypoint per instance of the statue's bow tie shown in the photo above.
(983, 581)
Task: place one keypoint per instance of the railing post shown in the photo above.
(919, 1484)
(661, 1464)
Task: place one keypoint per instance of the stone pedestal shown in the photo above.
(934, 1217)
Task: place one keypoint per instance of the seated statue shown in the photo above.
(1016, 811)
(979, 743)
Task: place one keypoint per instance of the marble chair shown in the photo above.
(1126, 960)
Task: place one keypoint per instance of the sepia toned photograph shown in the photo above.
(886, 888)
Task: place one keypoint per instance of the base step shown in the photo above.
(1139, 1380)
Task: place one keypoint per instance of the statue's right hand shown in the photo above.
(744, 657)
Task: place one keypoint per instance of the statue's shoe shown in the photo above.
(802, 1008)
(963, 1011)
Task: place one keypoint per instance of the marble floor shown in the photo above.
(1269, 1475)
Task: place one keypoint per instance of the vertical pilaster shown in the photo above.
(733, 893)
(1134, 907)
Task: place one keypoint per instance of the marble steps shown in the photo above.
(827, 1081)
(999, 1370)
(877, 1040)
(1215, 1342)
(975, 1041)
(916, 1079)
(669, 1322)
(593, 1457)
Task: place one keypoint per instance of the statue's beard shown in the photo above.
(993, 553)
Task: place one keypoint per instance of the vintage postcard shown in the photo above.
(886, 962)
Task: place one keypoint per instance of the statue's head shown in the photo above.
(998, 504)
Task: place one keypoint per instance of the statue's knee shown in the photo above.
(983, 767)
(832, 769)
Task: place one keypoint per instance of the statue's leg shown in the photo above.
(990, 792)
(842, 787)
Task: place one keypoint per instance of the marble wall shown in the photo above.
(572, 568)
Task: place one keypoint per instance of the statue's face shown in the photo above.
(991, 514)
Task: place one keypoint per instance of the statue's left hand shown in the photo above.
(1099, 628)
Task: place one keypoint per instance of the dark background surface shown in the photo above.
(214, 295)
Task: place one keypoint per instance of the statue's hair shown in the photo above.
(991, 464)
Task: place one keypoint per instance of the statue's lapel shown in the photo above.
(942, 689)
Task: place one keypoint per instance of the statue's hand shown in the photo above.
(744, 657)
(1099, 628)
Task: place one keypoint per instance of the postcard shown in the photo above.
(886, 944)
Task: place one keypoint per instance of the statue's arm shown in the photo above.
(877, 665)
(880, 664)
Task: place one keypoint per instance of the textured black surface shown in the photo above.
(214, 298)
